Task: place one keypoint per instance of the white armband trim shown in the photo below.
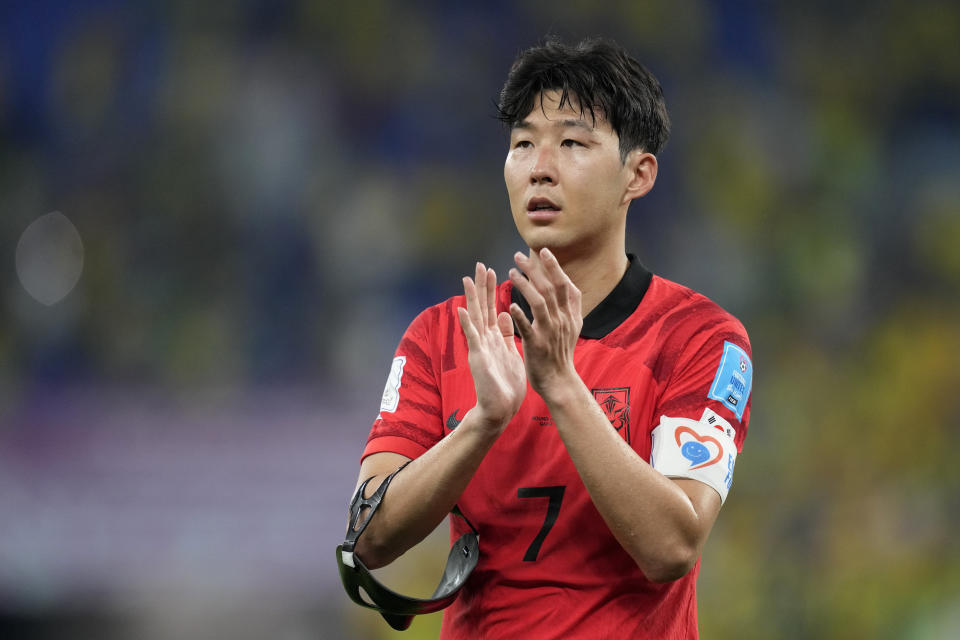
(701, 450)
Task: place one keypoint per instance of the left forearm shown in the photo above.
(650, 515)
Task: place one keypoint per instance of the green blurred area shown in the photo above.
(268, 194)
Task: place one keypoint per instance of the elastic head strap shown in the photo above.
(373, 503)
(397, 609)
(456, 511)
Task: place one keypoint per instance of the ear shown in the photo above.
(642, 173)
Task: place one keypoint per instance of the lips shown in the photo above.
(540, 204)
(542, 210)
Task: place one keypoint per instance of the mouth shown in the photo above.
(542, 208)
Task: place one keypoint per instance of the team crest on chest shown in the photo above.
(616, 406)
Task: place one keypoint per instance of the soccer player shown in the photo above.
(585, 415)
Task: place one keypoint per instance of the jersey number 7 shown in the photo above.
(555, 494)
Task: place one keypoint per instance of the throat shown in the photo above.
(595, 278)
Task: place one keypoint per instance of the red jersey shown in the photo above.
(651, 352)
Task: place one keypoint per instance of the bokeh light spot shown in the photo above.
(50, 258)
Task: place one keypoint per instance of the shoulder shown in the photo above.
(686, 314)
(428, 332)
(437, 314)
(435, 335)
(703, 355)
(449, 306)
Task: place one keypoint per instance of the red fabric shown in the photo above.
(661, 360)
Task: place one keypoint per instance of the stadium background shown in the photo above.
(268, 192)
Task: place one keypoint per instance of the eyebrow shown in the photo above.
(557, 124)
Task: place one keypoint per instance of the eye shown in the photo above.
(522, 144)
(569, 142)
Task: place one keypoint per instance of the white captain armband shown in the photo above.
(697, 449)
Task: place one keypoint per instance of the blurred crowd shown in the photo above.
(268, 192)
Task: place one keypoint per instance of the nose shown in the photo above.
(544, 170)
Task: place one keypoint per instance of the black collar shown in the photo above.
(612, 310)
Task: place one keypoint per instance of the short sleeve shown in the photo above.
(409, 420)
(713, 370)
(703, 411)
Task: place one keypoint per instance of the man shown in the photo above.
(585, 415)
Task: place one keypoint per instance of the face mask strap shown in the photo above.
(456, 511)
(356, 508)
(399, 610)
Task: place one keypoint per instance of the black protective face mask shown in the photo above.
(398, 610)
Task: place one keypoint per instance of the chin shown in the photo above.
(540, 237)
(555, 235)
(537, 241)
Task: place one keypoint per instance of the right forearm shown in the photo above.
(425, 491)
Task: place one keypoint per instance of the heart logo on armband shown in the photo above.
(696, 450)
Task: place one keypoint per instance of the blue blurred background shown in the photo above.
(255, 197)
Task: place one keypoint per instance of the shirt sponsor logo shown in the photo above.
(731, 386)
(616, 406)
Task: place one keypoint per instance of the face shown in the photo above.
(568, 189)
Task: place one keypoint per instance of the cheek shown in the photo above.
(602, 183)
(598, 196)
(511, 166)
(514, 180)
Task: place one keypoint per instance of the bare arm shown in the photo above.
(427, 489)
(662, 523)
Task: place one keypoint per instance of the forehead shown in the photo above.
(548, 111)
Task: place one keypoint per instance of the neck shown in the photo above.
(595, 274)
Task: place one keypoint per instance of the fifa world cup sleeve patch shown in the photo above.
(697, 449)
(391, 392)
(731, 385)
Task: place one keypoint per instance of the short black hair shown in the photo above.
(599, 77)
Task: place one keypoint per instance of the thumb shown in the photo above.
(505, 322)
(524, 328)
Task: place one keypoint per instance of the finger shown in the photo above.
(561, 281)
(468, 329)
(525, 262)
(505, 324)
(481, 280)
(533, 261)
(538, 305)
(534, 270)
(575, 298)
(524, 328)
(473, 304)
(492, 297)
